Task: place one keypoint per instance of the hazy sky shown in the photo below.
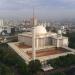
(43, 8)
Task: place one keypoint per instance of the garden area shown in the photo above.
(67, 71)
(63, 61)
(13, 64)
(65, 65)
(71, 39)
(10, 62)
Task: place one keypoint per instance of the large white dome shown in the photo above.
(40, 30)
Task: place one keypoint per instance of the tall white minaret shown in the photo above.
(33, 38)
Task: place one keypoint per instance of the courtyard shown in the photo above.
(48, 52)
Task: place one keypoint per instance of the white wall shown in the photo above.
(26, 40)
(40, 43)
(8, 30)
(65, 42)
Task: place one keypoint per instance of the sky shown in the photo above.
(48, 9)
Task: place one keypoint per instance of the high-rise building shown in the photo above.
(1, 23)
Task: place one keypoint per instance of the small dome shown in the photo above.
(59, 32)
(40, 30)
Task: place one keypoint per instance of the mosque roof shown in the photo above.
(40, 30)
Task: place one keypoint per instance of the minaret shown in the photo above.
(33, 39)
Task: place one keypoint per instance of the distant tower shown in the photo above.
(1, 23)
(33, 20)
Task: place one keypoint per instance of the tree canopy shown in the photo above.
(34, 66)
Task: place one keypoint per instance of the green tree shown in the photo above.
(34, 66)
(63, 61)
(10, 62)
(58, 73)
(5, 70)
(71, 40)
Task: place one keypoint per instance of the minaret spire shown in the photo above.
(33, 17)
(33, 39)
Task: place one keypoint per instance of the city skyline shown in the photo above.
(51, 9)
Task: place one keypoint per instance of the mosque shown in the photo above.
(40, 44)
(40, 40)
(43, 38)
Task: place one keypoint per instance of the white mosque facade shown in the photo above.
(40, 44)
(43, 38)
